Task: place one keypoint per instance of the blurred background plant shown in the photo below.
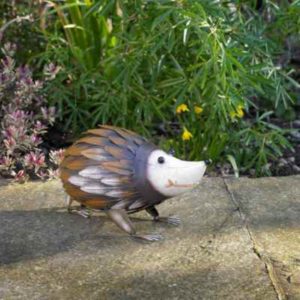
(215, 79)
(18, 26)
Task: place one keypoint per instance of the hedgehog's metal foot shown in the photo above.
(84, 212)
(81, 211)
(120, 217)
(173, 220)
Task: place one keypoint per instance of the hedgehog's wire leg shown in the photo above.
(82, 211)
(120, 217)
(174, 220)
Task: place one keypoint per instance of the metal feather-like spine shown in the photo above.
(98, 169)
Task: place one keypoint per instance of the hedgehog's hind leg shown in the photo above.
(174, 220)
(120, 217)
(82, 211)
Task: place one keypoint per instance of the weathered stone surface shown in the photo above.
(271, 210)
(46, 253)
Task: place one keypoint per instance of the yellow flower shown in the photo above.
(181, 108)
(198, 110)
(88, 2)
(239, 111)
(186, 135)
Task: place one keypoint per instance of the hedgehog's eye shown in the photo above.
(161, 160)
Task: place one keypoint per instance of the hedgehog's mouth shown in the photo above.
(175, 184)
(171, 168)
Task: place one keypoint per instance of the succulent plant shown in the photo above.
(25, 118)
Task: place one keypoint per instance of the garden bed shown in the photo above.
(209, 80)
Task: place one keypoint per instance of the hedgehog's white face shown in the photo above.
(171, 176)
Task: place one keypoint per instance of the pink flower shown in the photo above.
(34, 160)
(3, 78)
(39, 127)
(18, 114)
(10, 144)
(42, 174)
(21, 176)
(48, 114)
(14, 135)
(9, 132)
(37, 84)
(51, 71)
(57, 156)
(6, 162)
(35, 140)
(8, 64)
(53, 173)
(23, 72)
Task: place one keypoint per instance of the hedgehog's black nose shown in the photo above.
(208, 161)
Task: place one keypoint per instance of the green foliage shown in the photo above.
(86, 31)
(133, 63)
(257, 143)
(287, 21)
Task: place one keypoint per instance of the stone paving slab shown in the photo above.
(271, 210)
(228, 247)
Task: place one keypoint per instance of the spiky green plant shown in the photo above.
(162, 54)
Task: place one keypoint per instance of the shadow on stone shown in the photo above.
(31, 234)
(39, 233)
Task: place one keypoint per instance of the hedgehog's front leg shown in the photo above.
(174, 220)
(120, 217)
(82, 211)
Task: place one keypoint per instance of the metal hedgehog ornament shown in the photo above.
(117, 171)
